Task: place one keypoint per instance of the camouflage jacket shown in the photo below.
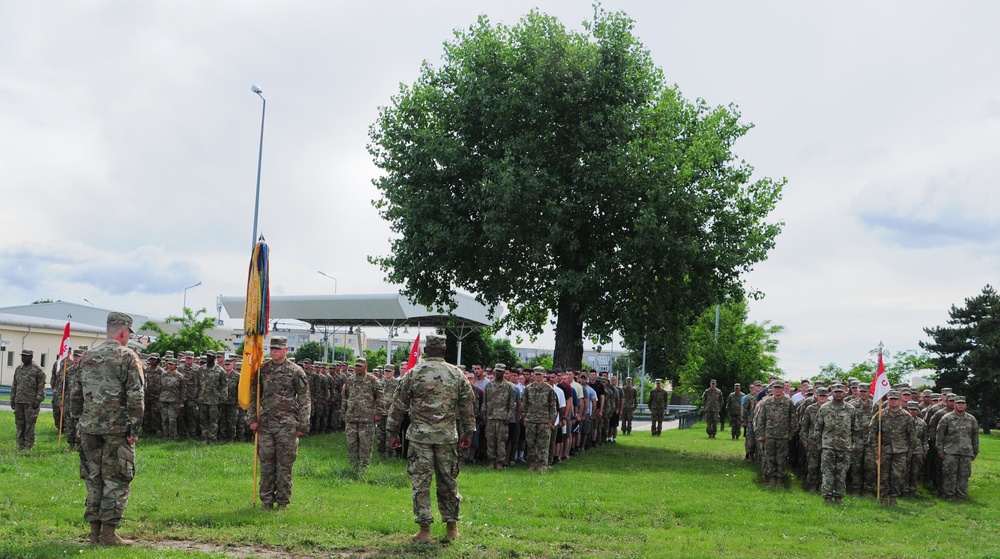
(232, 388)
(439, 401)
(806, 423)
(539, 404)
(212, 386)
(153, 383)
(362, 398)
(836, 427)
(958, 434)
(190, 375)
(776, 418)
(501, 401)
(932, 423)
(28, 386)
(897, 431)
(172, 387)
(284, 397)
(630, 401)
(734, 404)
(108, 393)
(921, 436)
(749, 404)
(389, 386)
(56, 380)
(610, 400)
(711, 399)
(658, 400)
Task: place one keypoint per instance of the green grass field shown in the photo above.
(681, 495)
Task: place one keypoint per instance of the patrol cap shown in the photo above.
(778, 384)
(279, 342)
(946, 391)
(911, 405)
(307, 360)
(927, 393)
(866, 389)
(712, 381)
(837, 388)
(499, 366)
(855, 384)
(27, 352)
(659, 381)
(906, 392)
(949, 397)
(188, 354)
(379, 369)
(77, 352)
(538, 370)
(360, 361)
(822, 391)
(116, 318)
(810, 390)
(894, 395)
(210, 353)
(154, 355)
(737, 385)
(168, 353)
(436, 341)
(935, 397)
(960, 399)
(170, 361)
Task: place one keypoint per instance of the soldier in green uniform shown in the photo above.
(539, 407)
(734, 408)
(229, 407)
(439, 402)
(282, 417)
(389, 384)
(657, 407)
(808, 437)
(191, 418)
(108, 397)
(26, 394)
(152, 372)
(775, 424)
(630, 401)
(500, 401)
(958, 445)
(711, 402)
(171, 398)
(919, 451)
(213, 388)
(896, 428)
(836, 432)
(362, 405)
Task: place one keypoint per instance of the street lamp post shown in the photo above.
(260, 156)
(324, 274)
(186, 296)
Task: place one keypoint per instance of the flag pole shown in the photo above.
(878, 467)
(62, 405)
(256, 439)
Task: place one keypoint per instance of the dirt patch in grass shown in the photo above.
(248, 551)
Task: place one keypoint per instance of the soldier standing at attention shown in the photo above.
(836, 432)
(439, 401)
(229, 429)
(283, 417)
(108, 399)
(775, 424)
(171, 398)
(501, 402)
(389, 383)
(152, 372)
(362, 405)
(26, 395)
(657, 406)
(212, 390)
(896, 427)
(69, 419)
(957, 442)
(630, 401)
(539, 406)
(189, 423)
(734, 408)
(711, 402)
(810, 441)
(919, 451)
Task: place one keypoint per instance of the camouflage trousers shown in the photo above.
(243, 432)
(536, 443)
(916, 470)
(151, 418)
(69, 429)
(656, 425)
(775, 457)
(750, 442)
(107, 466)
(955, 473)
(56, 412)
(333, 416)
(25, 417)
(863, 468)
(813, 460)
(359, 444)
(712, 419)
(834, 464)
(277, 448)
(496, 440)
(605, 429)
(169, 415)
(381, 437)
(228, 425)
(190, 419)
(440, 461)
(895, 475)
(734, 427)
(209, 414)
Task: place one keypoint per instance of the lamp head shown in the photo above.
(256, 89)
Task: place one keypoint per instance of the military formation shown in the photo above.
(842, 441)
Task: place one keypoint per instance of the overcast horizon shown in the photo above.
(130, 137)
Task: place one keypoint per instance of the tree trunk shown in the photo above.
(569, 335)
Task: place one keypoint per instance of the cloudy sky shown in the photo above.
(129, 135)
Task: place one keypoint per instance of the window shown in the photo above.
(41, 362)
(10, 358)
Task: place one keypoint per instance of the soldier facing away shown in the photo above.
(439, 401)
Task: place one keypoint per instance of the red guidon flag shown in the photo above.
(414, 354)
(64, 345)
(880, 384)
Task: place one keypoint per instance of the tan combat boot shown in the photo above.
(95, 532)
(108, 536)
(424, 535)
(453, 531)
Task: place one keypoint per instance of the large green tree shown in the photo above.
(192, 335)
(967, 354)
(555, 171)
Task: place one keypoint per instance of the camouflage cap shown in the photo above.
(538, 370)
(154, 355)
(116, 318)
(279, 342)
(436, 341)
(380, 369)
(778, 384)
(170, 361)
(27, 352)
(935, 396)
(499, 366)
(210, 353)
(360, 361)
(960, 399)
(949, 397)
(712, 382)
(866, 389)
(946, 391)
(737, 385)
(77, 352)
(659, 381)
(912, 405)
(307, 360)
(168, 353)
(837, 388)
(906, 392)
(188, 355)
(894, 395)
(822, 391)
(855, 384)
(927, 393)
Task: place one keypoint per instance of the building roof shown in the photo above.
(32, 322)
(383, 309)
(59, 311)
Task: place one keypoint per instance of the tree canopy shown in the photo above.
(556, 172)
(967, 354)
(191, 336)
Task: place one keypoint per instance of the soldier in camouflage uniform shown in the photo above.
(810, 443)
(610, 409)
(864, 466)
(190, 413)
(896, 428)
(958, 445)
(68, 419)
(108, 397)
(56, 381)
(630, 401)
(734, 408)
(919, 451)
(283, 417)
(539, 407)
(711, 402)
(337, 397)
(213, 388)
(229, 427)
(362, 405)
(657, 407)
(26, 394)
(946, 406)
(152, 371)
(836, 431)
(746, 419)
(500, 401)
(439, 401)
(172, 398)
(775, 425)
(389, 385)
